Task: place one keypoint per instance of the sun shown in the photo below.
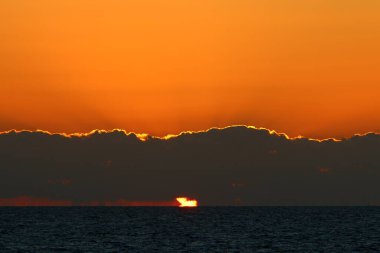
(185, 202)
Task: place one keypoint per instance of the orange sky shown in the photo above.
(307, 68)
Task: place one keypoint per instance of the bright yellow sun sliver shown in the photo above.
(185, 202)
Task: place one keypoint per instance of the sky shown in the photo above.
(306, 68)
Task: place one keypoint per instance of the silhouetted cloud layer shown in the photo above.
(234, 165)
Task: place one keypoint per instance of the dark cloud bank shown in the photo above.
(235, 165)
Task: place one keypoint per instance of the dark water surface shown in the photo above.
(202, 229)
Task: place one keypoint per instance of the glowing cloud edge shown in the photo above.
(144, 136)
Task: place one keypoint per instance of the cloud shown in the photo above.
(33, 201)
(270, 168)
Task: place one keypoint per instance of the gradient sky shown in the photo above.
(307, 68)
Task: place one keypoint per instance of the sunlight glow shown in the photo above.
(185, 202)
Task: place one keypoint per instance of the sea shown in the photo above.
(201, 229)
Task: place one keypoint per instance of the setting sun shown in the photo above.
(185, 202)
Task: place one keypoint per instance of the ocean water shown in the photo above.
(202, 229)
